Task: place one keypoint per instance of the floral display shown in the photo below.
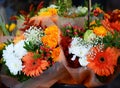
(32, 52)
(43, 52)
(96, 47)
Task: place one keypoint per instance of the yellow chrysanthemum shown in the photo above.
(55, 54)
(48, 12)
(2, 45)
(53, 11)
(100, 31)
(51, 36)
(51, 30)
(45, 14)
(50, 41)
(12, 27)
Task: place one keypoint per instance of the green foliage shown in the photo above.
(29, 46)
(36, 56)
(3, 28)
(112, 40)
(62, 8)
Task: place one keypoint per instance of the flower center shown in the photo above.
(102, 59)
(34, 63)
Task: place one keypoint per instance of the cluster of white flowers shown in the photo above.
(34, 34)
(79, 48)
(81, 10)
(12, 56)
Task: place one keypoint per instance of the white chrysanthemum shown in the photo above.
(34, 34)
(8, 52)
(14, 65)
(79, 48)
(19, 49)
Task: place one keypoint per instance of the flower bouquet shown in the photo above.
(43, 55)
(92, 54)
(32, 51)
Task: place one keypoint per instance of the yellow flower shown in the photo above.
(44, 14)
(100, 31)
(48, 12)
(7, 26)
(93, 22)
(12, 27)
(55, 54)
(2, 45)
(51, 30)
(53, 11)
(51, 36)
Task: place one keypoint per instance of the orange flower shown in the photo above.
(48, 12)
(55, 54)
(104, 62)
(51, 36)
(18, 38)
(115, 25)
(33, 67)
(100, 31)
(53, 11)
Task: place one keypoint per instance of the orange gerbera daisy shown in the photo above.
(33, 67)
(104, 62)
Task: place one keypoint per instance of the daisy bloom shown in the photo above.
(19, 49)
(32, 66)
(100, 31)
(103, 62)
(14, 65)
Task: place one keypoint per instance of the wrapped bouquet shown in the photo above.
(45, 53)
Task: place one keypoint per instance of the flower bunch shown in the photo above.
(96, 47)
(32, 52)
(66, 9)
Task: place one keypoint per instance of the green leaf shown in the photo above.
(3, 28)
(36, 56)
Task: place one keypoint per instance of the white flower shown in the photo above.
(79, 48)
(83, 61)
(81, 10)
(53, 6)
(19, 49)
(12, 56)
(34, 34)
(8, 52)
(14, 65)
